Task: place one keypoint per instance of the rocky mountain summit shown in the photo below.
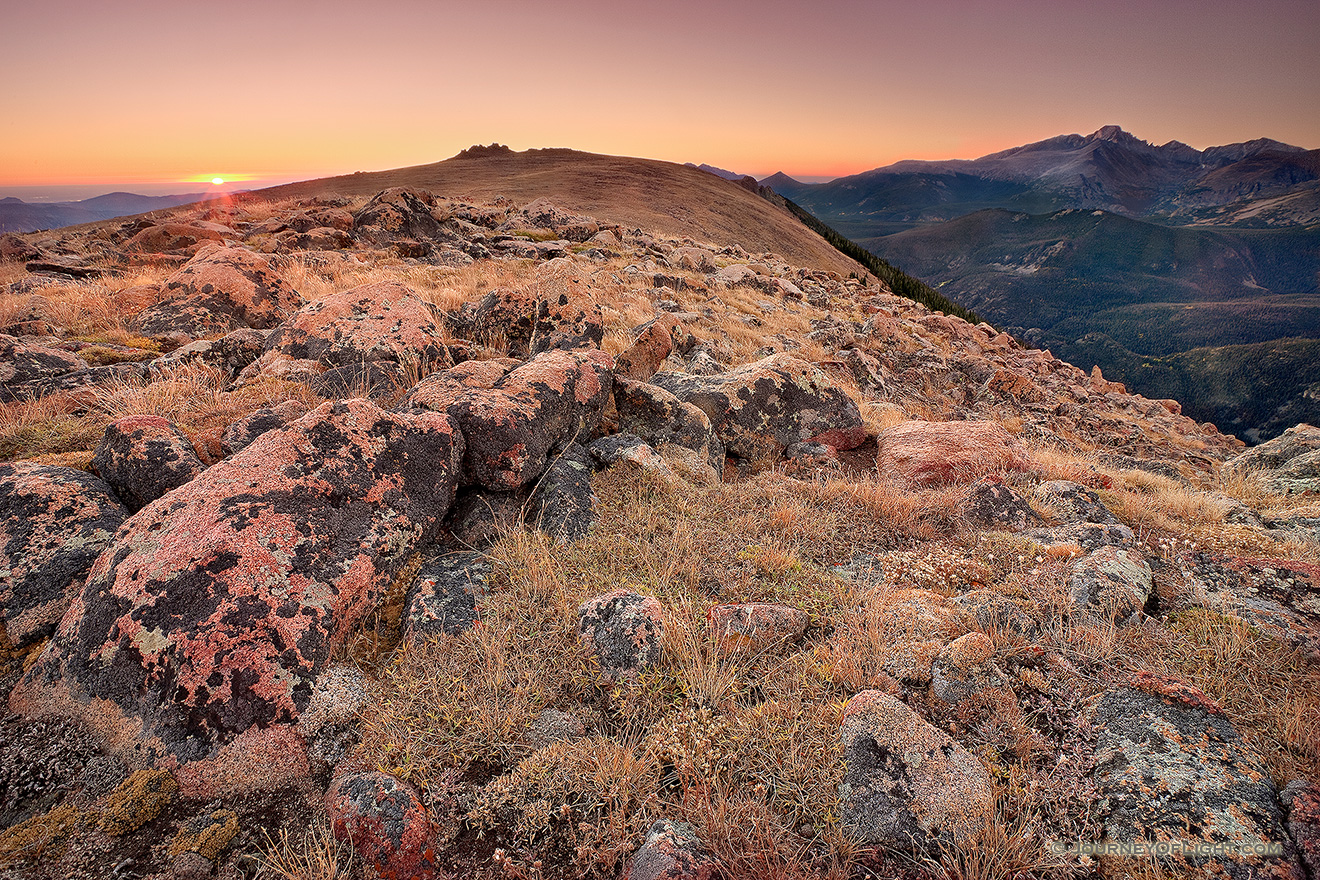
(417, 535)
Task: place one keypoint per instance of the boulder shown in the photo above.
(1073, 503)
(1112, 582)
(374, 380)
(13, 248)
(545, 214)
(527, 323)
(760, 409)
(652, 343)
(994, 505)
(907, 785)
(22, 362)
(671, 851)
(386, 823)
(621, 631)
(381, 321)
(251, 426)
(1288, 463)
(54, 522)
(235, 286)
(1169, 767)
(230, 354)
(200, 634)
(1280, 597)
(658, 417)
(562, 505)
(480, 517)
(443, 599)
(398, 213)
(143, 457)
(929, 453)
(171, 237)
(512, 425)
(1302, 800)
(963, 669)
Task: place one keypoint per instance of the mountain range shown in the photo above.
(1115, 252)
(17, 215)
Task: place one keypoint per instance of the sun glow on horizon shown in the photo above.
(218, 181)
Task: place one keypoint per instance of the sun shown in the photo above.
(218, 181)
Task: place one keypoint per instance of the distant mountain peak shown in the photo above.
(1113, 133)
(779, 178)
(718, 172)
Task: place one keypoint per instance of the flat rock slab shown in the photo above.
(929, 453)
(1170, 767)
(200, 633)
(54, 522)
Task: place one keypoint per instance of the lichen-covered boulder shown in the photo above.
(908, 786)
(373, 380)
(1280, 597)
(234, 286)
(963, 669)
(443, 598)
(480, 517)
(229, 354)
(200, 633)
(251, 426)
(1288, 463)
(929, 453)
(381, 321)
(1112, 582)
(1170, 767)
(512, 425)
(1302, 800)
(562, 505)
(760, 409)
(385, 821)
(994, 505)
(398, 213)
(54, 522)
(143, 457)
(755, 626)
(652, 343)
(532, 321)
(621, 631)
(671, 851)
(659, 417)
(26, 362)
(1072, 502)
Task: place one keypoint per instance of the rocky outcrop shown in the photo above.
(143, 457)
(760, 409)
(22, 362)
(908, 786)
(54, 522)
(1170, 767)
(399, 213)
(512, 425)
(1288, 463)
(218, 290)
(199, 635)
(528, 322)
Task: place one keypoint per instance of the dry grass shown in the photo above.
(315, 854)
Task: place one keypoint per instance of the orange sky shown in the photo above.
(149, 90)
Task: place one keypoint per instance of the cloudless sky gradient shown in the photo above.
(171, 91)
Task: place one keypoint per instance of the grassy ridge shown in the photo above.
(899, 281)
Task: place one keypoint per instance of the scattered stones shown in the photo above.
(760, 409)
(1112, 582)
(386, 822)
(963, 669)
(512, 426)
(755, 626)
(928, 453)
(1170, 767)
(621, 630)
(143, 457)
(528, 323)
(54, 522)
(671, 851)
(222, 603)
(443, 599)
(907, 785)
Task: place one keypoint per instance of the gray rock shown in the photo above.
(1111, 582)
(443, 599)
(622, 631)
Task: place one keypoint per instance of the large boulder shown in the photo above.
(398, 213)
(760, 409)
(1111, 582)
(143, 457)
(54, 522)
(1288, 463)
(1171, 768)
(658, 417)
(381, 321)
(652, 343)
(528, 322)
(929, 453)
(200, 633)
(22, 362)
(233, 286)
(512, 424)
(908, 786)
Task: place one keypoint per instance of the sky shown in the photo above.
(165, 95)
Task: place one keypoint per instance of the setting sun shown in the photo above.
(217, 180)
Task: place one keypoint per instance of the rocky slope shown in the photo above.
(422, 535)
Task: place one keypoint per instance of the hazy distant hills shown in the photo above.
(1110, 250)
(17, 215)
